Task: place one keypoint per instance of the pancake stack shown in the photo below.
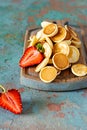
(61, 51)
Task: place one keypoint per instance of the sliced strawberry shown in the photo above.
(11, 100)
(31, 57)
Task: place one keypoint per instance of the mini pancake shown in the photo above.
(45, 23)
(60, 36)
(74, 54)
(61, 47)
(76, 43)
(50, 30)
(68, 36)
(48, 74)
(72, 32)
(60, 61)
(79, 69)
(67, 41)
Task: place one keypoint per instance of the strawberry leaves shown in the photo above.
(39, 47)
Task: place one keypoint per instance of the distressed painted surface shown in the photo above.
(41, 110)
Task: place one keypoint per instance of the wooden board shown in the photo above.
(66, 80)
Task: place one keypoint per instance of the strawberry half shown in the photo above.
(11, 100)
(31, 57)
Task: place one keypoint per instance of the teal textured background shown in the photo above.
(41, 110)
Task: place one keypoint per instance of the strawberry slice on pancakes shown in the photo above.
(31, 57)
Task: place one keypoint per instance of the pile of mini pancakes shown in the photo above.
(61, 45)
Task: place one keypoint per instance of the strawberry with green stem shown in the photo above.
(33, 55)
(11, 100)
